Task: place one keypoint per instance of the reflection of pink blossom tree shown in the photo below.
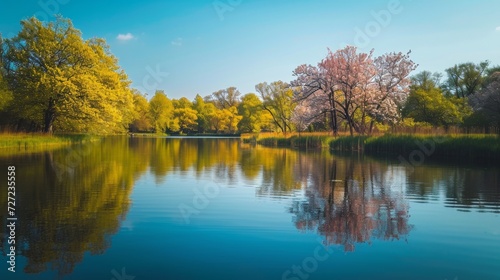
(356, 87)
(350, 203)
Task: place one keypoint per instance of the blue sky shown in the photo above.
(207, 45)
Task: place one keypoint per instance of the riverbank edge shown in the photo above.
(25, 142)
(409, 147)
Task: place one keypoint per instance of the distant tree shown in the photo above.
(466, 78)
(251, 111)
(492, 70)
(426, 80)
(182, 102)
(278, 100)
(432, 107)
(226, 120)
(487, 100)
(204, 112)
(161, 111)
(225, 98)
(141, 120)
(185, 120)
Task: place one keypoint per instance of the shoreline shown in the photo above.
(409, 147)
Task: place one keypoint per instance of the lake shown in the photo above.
(191, 208)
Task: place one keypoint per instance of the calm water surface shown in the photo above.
(218, 209)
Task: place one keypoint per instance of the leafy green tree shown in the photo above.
(431, 106)
(426, 80)
(279, 102)
(161, 111)
(59, 79)
(466, 78)
(251, 111)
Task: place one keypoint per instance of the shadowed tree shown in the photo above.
(466, 78)
(141, 120)
(487, 100)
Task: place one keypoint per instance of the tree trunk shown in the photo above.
(333, 115)
(371, 127)
(49, 117)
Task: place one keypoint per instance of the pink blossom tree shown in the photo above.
(356, 87)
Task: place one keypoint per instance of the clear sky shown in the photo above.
(207, 45)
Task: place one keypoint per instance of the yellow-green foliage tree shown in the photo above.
(61, 81)
(142, 119)
(161, 111)
(431, 106)
(251, 111)
(185, 117)
(5, 94)
(204, 113)
(279, 102)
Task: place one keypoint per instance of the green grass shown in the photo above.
(24, 141)
(462, 147)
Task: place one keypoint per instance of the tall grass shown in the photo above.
(452, 146)
(463, 147)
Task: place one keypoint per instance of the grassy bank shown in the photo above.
(24, 141)
(416, 147)
(296, 141)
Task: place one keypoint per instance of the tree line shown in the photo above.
(51, 79)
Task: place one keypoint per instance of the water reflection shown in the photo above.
(466, 189)
(69, 212)
(65, 210)
(349, 201)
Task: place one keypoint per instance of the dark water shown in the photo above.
(136, 208)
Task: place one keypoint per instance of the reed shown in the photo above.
(452, 146)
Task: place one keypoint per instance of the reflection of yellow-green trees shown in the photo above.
(73, 202)
(198, 154)
(224, 159)
(351, 202)
(277, 167)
